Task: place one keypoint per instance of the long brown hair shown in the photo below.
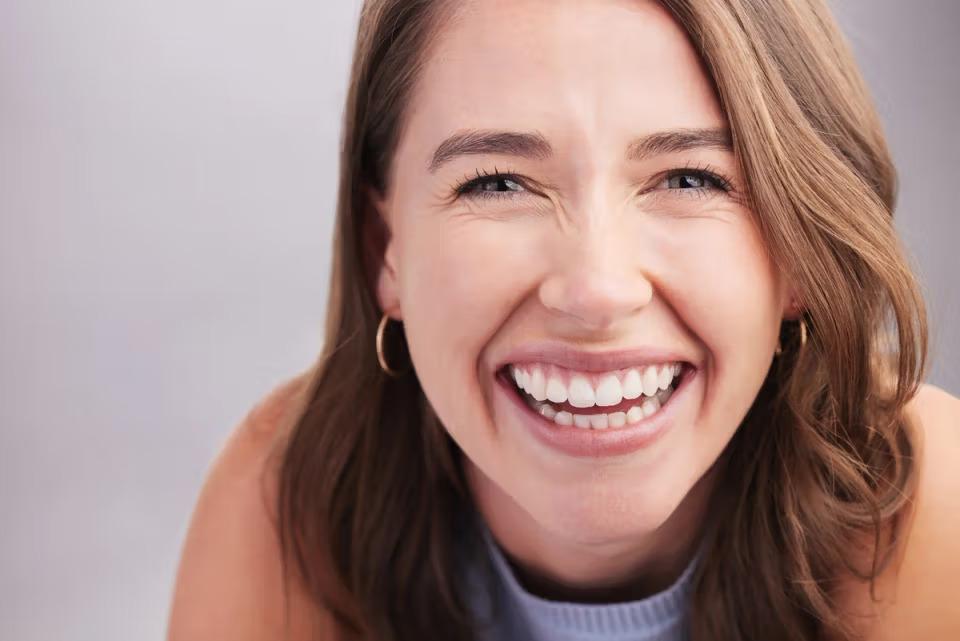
(371, 487)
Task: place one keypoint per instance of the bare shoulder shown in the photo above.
(230, 583)
(916, 592)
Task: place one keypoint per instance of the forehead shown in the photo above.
(567, 67)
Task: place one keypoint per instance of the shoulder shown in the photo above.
(916, 591)
(230, 581)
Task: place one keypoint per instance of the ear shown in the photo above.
(790, 303)
(379, 251)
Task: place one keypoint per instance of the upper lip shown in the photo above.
(572, 358)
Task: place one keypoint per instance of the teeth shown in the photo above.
(632, 385)
(666, 376)
(538, 385)
(556, 391)
(650, 406)
(581, 420)
(598, 421)
(602, 421)
(581, 392)
(664, 394)
(609, 391)
(651, 380)
(544, 383)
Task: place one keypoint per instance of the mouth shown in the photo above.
(596, 401)
(596, 413)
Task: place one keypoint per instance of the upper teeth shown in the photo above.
(548, 382)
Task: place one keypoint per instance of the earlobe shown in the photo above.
(790, 304)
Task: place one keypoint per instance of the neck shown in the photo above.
(560, 568)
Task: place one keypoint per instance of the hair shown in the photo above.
(371, 486)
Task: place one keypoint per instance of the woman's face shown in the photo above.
(612, 252)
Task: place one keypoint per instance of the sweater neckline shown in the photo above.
(652, 614)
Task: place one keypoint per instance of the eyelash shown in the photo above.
(709, 174)
(463, 188)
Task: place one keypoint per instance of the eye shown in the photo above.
(495, 185)
(694, 182)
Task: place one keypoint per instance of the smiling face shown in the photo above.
(564, 211)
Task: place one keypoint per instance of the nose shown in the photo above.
(598, 283)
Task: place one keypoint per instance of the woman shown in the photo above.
(621, 344)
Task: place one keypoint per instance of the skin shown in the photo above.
(915, 592)
(594, 263)
(230, 582)
(591, 250)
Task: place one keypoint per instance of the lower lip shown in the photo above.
(596, 443)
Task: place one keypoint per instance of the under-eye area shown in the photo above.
(595, 400)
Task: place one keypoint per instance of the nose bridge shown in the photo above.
(598, 276)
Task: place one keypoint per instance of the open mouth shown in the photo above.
(596, 401)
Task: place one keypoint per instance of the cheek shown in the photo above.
(727, 291)
(460, 282)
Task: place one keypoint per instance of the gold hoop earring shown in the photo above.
(380, 357)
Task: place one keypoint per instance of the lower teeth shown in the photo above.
(648, 406)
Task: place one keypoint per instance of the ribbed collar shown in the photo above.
(658, 617)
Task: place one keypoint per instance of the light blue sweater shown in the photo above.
(514, 614)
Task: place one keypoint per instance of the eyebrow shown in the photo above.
(533, 145)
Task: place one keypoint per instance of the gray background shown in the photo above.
(167, 176)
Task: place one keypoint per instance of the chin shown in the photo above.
(611, 508)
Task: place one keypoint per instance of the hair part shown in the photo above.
(371, 488)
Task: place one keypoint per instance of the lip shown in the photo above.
(568, 357)
(593, 443)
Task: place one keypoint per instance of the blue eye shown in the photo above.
(696, 181)
(688, 181)
(495, 185)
